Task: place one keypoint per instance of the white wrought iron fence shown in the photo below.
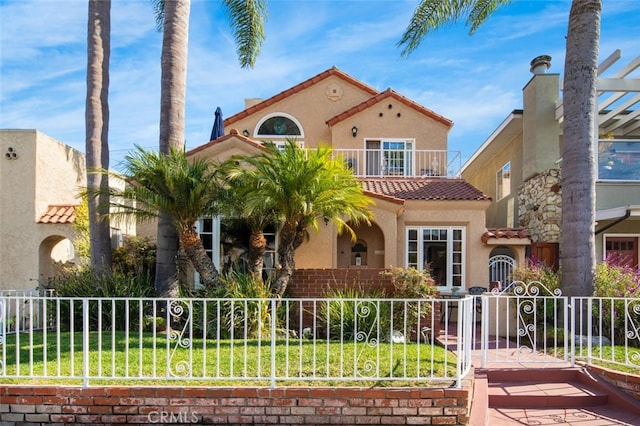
(607, 330)
(525, 323)
(21, 313)
(233, 340)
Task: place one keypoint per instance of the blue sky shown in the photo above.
(475, 81)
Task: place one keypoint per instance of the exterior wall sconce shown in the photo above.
(245, 132)
(354, 131)
(326, 221)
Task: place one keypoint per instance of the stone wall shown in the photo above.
(113, 405)
(540, 207)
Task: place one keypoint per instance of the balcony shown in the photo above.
(619, 160)
(401, 163)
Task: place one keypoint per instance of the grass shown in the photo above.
(613, 357)
(129, 359)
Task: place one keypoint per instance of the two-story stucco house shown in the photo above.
(425, 215)
(40, 179)
(519, 165)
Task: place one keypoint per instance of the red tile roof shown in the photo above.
(504, 233)
(389, 93)
(59, 214)
(424, 189)
(298, 88)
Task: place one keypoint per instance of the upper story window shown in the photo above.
(279, 126)
(389, 157)
(619, 159)
(503, 181)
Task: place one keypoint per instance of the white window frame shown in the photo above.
(278, 137)
(409, 149)
(214, 251)
(503, 181)
(450, 272)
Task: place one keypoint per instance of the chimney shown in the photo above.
(540, 64)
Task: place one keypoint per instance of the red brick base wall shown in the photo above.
(628, 383)
(314, 283)
(256, 406)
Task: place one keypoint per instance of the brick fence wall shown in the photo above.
(628, 383)
(314, 283)
(247, 405)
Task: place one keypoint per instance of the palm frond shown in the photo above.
(247, 19)
(158, 10)
(429, 16)
(481, 10)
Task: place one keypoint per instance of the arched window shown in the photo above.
(279, 125)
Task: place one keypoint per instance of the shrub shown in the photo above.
(228, 318)
(536, 279)
(84, 282)
(347, 314)
(613, 279)
(136, 256)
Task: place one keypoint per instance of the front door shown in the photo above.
(624, 248)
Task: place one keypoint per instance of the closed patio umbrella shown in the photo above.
(218, 125)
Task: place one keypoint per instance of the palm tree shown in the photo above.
(239, 187)
(579, 100)
(97, 129)
(301, 187)
(180, 189)
(247, 21)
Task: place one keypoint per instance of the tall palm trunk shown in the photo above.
(577, 251)
(97, 131)
(172, 109)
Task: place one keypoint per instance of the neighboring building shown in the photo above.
(519, 165)
(425, 215)
(40, 179)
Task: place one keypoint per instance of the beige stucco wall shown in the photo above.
(541, 129)
(46, 172)
(482, 174)
(311, 114)
(389, 118)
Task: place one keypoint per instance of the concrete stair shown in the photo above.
(546, 394)
(539, 388)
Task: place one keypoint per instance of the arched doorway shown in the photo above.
(502, 263)
(366, 252)
(53, 250)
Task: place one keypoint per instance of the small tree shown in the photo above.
(301, 187)
(171, 185)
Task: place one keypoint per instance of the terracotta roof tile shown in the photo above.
(298, 88)
(504, 233)
(389, 93)
(59, 214)
(424, 189)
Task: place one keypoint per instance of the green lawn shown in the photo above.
(614, 358)
(121, 359)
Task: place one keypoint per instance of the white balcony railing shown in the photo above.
(401, 163)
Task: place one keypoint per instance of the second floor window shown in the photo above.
(389, 157)
(503, 181)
